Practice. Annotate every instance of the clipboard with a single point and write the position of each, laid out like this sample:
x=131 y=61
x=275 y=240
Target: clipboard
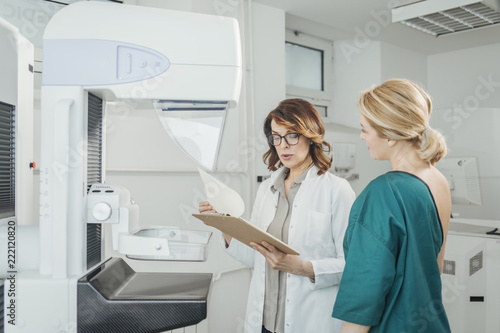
x=243 y=231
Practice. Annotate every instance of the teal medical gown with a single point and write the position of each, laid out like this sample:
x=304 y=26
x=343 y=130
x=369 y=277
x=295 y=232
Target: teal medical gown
x=391 y=280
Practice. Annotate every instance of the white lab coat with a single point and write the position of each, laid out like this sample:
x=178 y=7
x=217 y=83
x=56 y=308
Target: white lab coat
x=317 y=226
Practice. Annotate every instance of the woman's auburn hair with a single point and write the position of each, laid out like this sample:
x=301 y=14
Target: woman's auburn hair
x=299 y=116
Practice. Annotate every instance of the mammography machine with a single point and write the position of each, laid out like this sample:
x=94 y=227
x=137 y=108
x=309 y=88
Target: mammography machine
x=94 y=53
x=471 y=271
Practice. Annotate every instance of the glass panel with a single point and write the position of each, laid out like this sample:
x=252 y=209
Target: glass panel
x=196 y=127
x=304 y=67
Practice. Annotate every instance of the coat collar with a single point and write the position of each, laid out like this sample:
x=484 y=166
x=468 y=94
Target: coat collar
x=311 y=173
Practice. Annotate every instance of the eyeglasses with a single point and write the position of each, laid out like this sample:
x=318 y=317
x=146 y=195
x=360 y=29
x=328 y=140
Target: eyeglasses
x=290 y=138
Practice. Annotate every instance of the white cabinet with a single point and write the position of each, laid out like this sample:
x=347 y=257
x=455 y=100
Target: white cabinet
x=470 y=278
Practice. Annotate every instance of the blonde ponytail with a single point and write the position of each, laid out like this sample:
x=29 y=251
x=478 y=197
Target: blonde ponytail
x=432 y=146
x=398 y=109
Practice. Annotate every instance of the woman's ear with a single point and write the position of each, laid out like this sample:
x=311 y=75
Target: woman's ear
x=391 y=142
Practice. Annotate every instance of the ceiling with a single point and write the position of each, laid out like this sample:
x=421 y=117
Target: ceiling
x=330 y=19
x=352 y=17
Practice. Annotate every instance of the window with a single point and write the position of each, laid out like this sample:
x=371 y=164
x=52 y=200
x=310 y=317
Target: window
x=304 y=67
x=309 y=69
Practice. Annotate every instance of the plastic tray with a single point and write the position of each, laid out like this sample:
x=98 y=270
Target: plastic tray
x=184 y=245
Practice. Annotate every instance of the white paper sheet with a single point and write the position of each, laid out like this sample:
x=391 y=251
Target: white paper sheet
x=221 y=197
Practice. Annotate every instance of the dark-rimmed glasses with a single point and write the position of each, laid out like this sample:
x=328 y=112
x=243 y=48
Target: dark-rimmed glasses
x=290 y=138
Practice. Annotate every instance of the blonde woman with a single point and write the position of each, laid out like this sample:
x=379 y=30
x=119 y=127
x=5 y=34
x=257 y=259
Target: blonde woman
x=307 y=207
x=395 y=241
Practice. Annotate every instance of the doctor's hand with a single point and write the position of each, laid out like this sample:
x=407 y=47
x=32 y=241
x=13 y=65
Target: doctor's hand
x=206 y=207
x=284 y=262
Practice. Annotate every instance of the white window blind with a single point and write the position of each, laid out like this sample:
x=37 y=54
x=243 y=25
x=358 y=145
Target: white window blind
x=7 y=160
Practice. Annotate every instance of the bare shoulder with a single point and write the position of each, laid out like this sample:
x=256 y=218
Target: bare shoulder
x=440 y=191
x=438 y=180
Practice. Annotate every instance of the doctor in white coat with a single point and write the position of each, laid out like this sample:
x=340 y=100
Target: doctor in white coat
x=308 y=208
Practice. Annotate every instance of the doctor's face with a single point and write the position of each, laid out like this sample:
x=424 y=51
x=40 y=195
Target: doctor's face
x=377 y=146
x=293 y=156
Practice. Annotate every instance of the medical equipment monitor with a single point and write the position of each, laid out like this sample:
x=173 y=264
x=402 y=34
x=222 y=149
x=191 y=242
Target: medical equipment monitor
x=462 y=176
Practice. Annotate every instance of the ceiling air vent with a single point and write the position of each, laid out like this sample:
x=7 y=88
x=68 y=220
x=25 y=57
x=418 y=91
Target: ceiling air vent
x=442 y=17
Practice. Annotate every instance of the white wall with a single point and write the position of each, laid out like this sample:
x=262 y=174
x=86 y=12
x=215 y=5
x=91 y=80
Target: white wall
x=269 y=72
x=401 y=63
x=353 y=73
x=8 y=86
x=465 y=86
x=460 y=77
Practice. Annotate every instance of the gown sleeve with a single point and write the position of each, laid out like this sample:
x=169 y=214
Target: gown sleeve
x=370 y=246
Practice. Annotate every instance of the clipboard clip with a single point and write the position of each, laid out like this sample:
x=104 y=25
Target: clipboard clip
x=218 y=214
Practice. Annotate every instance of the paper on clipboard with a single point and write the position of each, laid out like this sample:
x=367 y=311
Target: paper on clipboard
x=230 y=206
x=243 y=231
x=221 y=197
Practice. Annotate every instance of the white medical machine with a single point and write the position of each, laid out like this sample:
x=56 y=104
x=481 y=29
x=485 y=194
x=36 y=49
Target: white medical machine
x=463 y=179
x=185 y=65
x=471 y=271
